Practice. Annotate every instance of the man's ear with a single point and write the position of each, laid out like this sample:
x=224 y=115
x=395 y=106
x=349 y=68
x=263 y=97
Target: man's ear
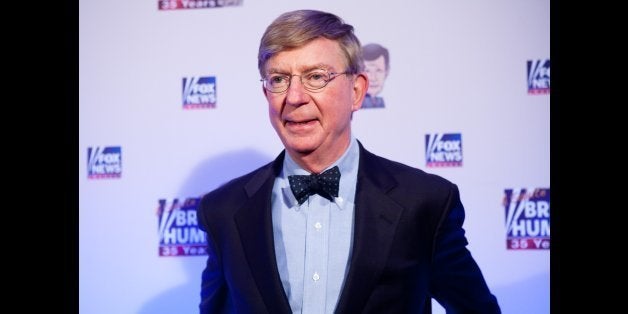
x=360 y=86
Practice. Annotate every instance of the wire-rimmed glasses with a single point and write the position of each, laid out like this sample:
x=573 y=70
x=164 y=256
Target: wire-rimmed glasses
x=312 y=80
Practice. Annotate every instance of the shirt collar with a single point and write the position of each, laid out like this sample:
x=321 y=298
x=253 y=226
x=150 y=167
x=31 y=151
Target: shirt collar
x=347 y=163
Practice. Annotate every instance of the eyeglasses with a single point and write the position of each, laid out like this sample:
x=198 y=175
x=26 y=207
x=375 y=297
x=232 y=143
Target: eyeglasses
x=313 y=80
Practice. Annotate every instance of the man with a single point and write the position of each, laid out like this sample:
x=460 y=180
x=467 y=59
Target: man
x=374 y=236
x=377 y=65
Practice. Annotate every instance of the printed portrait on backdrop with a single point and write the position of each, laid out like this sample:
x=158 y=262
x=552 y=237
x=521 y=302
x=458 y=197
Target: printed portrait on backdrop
x=377 y=65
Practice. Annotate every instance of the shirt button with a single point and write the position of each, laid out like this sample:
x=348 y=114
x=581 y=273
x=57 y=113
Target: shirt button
x=318 y=226
x=316 y=277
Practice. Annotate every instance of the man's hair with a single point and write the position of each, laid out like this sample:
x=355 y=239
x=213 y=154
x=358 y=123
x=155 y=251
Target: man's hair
x=373 y=51
x=297 y=28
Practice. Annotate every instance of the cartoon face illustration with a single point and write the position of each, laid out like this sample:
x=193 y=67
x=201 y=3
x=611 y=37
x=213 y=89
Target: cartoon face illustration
x=376 y=62
x=376 y=71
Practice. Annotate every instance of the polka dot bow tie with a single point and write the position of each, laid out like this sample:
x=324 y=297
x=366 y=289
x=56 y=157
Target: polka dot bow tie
x=324 y=184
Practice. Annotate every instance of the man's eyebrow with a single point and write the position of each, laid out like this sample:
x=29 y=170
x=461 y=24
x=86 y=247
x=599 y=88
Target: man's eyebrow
x=274 y=70
x=303 y=69
x=318 y=66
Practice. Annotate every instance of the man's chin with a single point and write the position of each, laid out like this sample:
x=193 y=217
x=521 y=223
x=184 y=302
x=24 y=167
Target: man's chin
x=301 y=149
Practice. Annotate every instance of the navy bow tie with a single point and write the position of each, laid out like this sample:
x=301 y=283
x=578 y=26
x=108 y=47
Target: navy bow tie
x=324 y=184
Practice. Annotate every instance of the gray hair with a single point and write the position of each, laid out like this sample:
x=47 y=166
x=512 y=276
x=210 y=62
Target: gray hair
x=297 y=28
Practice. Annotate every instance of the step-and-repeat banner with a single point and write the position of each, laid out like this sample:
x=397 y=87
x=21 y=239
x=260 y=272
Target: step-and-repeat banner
x=171 y=107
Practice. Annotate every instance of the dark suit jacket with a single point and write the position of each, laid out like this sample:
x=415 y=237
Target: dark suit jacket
x=408 y=245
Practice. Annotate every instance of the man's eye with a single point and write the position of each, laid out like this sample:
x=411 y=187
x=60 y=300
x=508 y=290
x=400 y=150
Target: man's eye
x=316 y=76
x=278 y=79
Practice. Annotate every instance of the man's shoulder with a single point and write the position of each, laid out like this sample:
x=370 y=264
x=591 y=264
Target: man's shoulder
x=237 y=189
x=406 y=175
x=409 y=185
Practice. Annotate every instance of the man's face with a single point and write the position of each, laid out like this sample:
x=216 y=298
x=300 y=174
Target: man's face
x=376 y=70
x=314 y=122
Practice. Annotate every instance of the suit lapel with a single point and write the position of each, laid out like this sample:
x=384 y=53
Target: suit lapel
x=376 y=218
x=254 y=221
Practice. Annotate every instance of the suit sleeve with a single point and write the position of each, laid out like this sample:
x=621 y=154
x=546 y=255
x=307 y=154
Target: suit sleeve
x=214 y=293
x=457 y=282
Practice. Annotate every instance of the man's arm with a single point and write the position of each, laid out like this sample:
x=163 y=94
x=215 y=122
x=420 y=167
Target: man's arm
x=214 y=291
x=457 y=282
x=214 y=296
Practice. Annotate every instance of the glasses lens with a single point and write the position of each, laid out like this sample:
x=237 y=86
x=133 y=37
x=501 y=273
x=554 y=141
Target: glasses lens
x=277 y=82
x=315 y=79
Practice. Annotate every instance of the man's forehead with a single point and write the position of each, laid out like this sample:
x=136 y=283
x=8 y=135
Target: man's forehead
x=320 y=53
x=279 y=67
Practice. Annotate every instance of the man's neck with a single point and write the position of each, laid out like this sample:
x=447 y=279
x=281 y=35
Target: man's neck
x=317 y=161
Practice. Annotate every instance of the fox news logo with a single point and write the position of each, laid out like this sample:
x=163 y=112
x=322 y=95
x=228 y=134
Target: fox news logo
x=199 y=92
x=443 y=150
x=196 y=4
x=103 y=163
x=179 y=234
x=527 y=219
x=539 y=76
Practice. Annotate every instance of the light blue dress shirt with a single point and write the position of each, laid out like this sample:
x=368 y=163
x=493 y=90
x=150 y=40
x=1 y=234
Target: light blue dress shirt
x=313 y=240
